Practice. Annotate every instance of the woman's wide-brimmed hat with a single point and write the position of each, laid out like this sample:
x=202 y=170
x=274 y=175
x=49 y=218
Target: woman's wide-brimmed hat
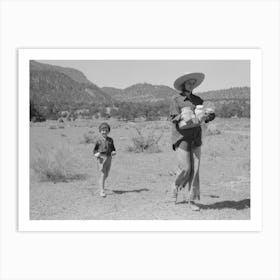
x=179 y=82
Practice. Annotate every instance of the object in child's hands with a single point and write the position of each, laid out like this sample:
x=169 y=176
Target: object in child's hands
x=97 y=155
x=113 y=153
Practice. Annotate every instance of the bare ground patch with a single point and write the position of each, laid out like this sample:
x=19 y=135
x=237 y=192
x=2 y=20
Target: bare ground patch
x=138 y=186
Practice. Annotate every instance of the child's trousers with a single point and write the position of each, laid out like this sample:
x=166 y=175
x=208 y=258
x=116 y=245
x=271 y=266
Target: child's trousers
x=104 y=164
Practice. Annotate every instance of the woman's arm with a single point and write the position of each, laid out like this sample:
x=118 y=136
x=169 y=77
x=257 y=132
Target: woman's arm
x=175 y=114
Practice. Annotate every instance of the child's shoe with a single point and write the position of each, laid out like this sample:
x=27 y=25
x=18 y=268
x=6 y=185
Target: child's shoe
x=102 y=194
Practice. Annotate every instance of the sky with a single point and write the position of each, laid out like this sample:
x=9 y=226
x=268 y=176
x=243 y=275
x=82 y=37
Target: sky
x=219 y=74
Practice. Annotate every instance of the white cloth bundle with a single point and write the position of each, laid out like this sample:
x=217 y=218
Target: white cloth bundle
x=190 y=118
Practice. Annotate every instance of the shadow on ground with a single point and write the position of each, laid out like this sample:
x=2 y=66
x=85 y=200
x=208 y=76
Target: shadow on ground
x=238 y=205
x=130 y=191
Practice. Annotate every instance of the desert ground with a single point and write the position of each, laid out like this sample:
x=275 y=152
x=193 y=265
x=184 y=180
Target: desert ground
x=64 y=182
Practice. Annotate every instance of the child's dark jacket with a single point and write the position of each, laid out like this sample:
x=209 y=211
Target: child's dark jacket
x=105 y=146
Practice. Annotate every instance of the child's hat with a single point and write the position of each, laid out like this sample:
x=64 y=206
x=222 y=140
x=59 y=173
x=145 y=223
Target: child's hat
x=179 y=82
x=104 y=125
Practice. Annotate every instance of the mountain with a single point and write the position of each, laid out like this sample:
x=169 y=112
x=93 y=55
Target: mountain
x=115 y=93
x=74 y=74
x=151 y=93
x=142 y=92
x=60 y=85
x=226 y=94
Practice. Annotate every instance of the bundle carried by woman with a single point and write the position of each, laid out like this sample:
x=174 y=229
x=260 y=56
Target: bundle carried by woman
x=192 y=118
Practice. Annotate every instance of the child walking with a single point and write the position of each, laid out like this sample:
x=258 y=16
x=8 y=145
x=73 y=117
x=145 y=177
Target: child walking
x=103 y=150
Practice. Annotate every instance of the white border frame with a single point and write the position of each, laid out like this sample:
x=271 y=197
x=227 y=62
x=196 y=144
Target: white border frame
x=254 y=55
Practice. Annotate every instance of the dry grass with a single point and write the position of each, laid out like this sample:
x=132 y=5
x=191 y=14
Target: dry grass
x=145 y=143
x=88 y=138
x=56 y=164
x=212 y=129
x=52 y=126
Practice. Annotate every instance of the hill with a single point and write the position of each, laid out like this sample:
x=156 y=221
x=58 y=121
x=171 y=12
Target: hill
x=115 y=93
x=142 y=92
x=74 y=74
x=59 y=85
x=226 y=94
x=153 y=93
x=49 y=83
x=54 y=89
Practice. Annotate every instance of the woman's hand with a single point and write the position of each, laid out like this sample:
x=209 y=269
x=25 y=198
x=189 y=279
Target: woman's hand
x=113 y=153
x=176 y=119
x=97 y=155
x=210 y=117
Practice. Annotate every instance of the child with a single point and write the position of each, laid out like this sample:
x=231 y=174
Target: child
x=103 y=150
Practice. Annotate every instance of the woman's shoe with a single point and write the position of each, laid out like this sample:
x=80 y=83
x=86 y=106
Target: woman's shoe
x=102 y=194
x=193 y=206
x=174 y=192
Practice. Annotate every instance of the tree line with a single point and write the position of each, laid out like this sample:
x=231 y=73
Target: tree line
x=129 y=111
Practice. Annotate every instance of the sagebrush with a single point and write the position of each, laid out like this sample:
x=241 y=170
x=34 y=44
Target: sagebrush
x=88 y=138
x=142 y=143
x=56 y=164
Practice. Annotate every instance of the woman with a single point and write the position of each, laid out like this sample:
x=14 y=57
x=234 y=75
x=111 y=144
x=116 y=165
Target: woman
x=187 y=141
